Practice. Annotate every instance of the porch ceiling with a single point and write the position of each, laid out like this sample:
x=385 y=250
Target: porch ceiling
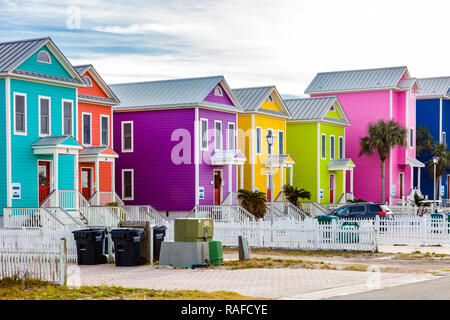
x=226 y=157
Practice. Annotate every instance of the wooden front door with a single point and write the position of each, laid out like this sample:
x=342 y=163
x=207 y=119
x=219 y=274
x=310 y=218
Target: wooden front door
x=44 y=180
x=402 y=185
x=217 y=187
x=86 y=183
x=269 y=188
x=332 y=188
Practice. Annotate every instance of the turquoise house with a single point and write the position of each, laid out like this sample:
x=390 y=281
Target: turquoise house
x=38 y=103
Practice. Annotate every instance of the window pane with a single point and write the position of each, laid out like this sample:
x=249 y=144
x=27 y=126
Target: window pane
x=128 y=184
x=20 y=122
x=204 y=134
x=218 y=135
x=269 y=148
x=231 y=136
x=324 y=147
x=127 y=136
x=281 y=142
x=86 y=129
x=341 y=148
x=68 y=118
x=105 y=131
x=332 y=148
x=20 y=113
x=258 y=140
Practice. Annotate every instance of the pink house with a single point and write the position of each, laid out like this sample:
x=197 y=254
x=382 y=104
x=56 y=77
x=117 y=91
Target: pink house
x=367 y=96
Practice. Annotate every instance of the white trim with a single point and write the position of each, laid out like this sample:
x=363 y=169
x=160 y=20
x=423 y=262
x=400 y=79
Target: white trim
x=218 y=92
x=25 y=113
x=101 y=130
x=201 y=134
x=8 y=141
x=89 y=83
x=234 y=136
x=197 y=157
x=215 y=136
x=341 y=155
x=82 y=129
x=221 y=186
x=334 y=187
x=50 y=180
x=72 y=120
x=282 y=151
x=256 y=141
x=268 y=147
x=48 y=55
x=252 y=155
x=444 y=135
x=49 y=116
x=333 y=155
x=390 y=151
x=319 y=153
x=411 y=141
x=91 y=182
x=123 y=137
x=440 y=120
x=320 y=145
x=132 y=184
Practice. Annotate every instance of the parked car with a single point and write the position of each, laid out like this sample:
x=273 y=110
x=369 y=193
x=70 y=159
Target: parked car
x=362 y=210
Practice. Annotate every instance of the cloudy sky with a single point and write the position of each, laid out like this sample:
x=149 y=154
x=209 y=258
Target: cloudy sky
x=251 y=42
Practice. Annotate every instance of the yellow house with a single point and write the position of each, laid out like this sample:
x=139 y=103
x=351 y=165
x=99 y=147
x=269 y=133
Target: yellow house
x=264 y=114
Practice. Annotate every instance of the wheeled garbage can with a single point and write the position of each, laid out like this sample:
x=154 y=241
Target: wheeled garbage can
x=127 y=246
x=159 y=232
x=90 y=246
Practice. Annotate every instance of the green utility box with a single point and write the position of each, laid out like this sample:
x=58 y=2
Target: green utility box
x=215 y=252
x=194 y=230
x=349 y=237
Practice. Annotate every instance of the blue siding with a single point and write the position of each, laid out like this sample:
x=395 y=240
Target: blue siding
x=55 y=68
x=2 y=146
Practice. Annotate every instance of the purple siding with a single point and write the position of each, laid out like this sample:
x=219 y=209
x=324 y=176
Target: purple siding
x=157 y=180
x=225 y=99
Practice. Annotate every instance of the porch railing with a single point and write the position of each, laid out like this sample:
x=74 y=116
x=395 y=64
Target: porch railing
x=145 y=213
x=223 y=212
x=31 y=218
x=104 y=197
x=313 y=208
x=61 y=198
x=101 y=217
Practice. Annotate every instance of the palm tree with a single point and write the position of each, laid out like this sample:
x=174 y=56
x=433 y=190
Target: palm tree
x=441 y=152
x=293 y=194
x=383 y=137
x=253 y=202
x=424 y=140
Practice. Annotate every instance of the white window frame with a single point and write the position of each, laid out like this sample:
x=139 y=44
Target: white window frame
x=49 y=116
x=215 y=136
x=202 y=120
x=279 y=140
x=444 y=138
x=321 y=144
x=269 y=99
x=411 y=135
x=260 y=140
x=25 y=111
x=89 y=82
x=234 y=135
x=218 y=91
x=82 y=128
x=332 y=108
x=48 y=55
x=341 y=152
x=101 y=130
x=332 y=145
x=72 y=119
x=132 y=184
x=268 y=147
x=123 y=137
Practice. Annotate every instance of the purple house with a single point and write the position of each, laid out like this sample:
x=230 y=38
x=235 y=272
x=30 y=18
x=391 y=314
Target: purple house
x=176 y=141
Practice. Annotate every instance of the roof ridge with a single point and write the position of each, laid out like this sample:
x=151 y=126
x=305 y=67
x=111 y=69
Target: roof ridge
x=167 y=80
x=439 y=77
x=307 y=98
x=259 y=87
x=26 y=40
x=369 y=69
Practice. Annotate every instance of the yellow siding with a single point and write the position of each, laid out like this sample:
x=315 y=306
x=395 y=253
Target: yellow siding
x=272 y=105
x=244 y=138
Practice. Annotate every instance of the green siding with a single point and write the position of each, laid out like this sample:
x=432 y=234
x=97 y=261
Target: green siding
x=2 y=146
x=301 y=144
x=55 y=68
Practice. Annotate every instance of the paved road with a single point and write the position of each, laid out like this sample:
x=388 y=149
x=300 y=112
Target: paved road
x=438 y=289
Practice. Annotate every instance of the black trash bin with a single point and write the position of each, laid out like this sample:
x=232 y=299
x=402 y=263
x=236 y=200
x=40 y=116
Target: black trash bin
x=90 y=246
x=159 y=232
x=127 y=246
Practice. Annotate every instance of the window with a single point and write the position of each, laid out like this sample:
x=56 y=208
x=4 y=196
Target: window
x=20 y=114
x=218 y=91
x=332 y=108
x=127 y=136
x=280 y=142
x=44 y=57
x=357 y=209
x=270 y=99
x=87 y=128
x=411 y=137
x=44 y=116
x=323 y=146
x=67 y=120
x=204 y=134
x=269 y=147
x=341 y=147
x=128 y=184
x=218 y=135
x=231 y=136
x=258 y=140
x=444 y=138
x=332 y=147
x=104 y=128
x=88 y=81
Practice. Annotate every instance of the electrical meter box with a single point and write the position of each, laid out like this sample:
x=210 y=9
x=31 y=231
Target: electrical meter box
x=194 y=229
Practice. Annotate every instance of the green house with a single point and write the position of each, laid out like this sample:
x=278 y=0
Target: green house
x=316 y=139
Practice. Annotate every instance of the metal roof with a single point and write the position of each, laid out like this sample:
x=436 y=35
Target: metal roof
x=252 y=98
x=45 y=76
x=52 y=141
x=356 y=80
x=88 y=151
x=14 y=52
x=437 y=87
x=313 y=109
x=96 y=98
x=82 y=69
x=169 y=93
x=340 y=164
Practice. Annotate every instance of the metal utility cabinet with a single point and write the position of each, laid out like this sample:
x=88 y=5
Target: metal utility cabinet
x=194 y=230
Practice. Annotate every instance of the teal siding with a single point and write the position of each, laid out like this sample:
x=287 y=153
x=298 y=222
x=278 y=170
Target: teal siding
x=65 y=173
x=55 y=68
x=24 y=162
x=2 y=146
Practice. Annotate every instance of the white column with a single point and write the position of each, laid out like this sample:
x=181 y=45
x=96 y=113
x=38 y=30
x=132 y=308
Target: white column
x=113 y=180
x=344 y=182
x=291 y=173
x=351 y=181
x=242 y=177
x=418 y=178
x=75 y=174
x=55 y=177
x=230 y=178
x=412 y=178
x=97 y=180
x=271 y=181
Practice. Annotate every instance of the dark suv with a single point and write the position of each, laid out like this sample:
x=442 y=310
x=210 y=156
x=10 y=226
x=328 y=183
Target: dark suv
x=360 y=210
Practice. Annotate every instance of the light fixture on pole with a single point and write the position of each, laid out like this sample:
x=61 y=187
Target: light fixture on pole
x=435 y=162
x=271 y=141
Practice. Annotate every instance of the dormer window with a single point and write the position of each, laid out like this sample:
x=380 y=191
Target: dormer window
x=88 y=81
x=218 y=91
x=270 y=99
x=44 y=57
x=332 y=108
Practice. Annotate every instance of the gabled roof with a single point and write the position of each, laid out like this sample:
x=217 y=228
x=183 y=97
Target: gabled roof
x=13 y=53
x=171 y=94
x=98 y=151
x=251 y=99
x=437 y=87
x=315 y=109
x=113 y=100
x=357 y=80
x=407 y=84
x=55 y=141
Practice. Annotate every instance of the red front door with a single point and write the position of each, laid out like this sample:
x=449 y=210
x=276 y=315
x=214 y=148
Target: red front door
x=44 y=180
x=86 y=183
x=331 y=188
x=217 y=187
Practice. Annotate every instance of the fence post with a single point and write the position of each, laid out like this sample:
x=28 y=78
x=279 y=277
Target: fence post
x=151 y=244
x=63 y=262
x=316 y=233
x=110 y=248
x=260 y=233
x=423 y=229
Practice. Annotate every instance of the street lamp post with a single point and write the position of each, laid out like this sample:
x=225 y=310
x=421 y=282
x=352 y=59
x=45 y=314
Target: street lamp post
x=271 y=141
x=435 y=161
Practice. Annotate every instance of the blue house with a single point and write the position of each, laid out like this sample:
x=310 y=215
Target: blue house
x=433 y=112
x=38 y=103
